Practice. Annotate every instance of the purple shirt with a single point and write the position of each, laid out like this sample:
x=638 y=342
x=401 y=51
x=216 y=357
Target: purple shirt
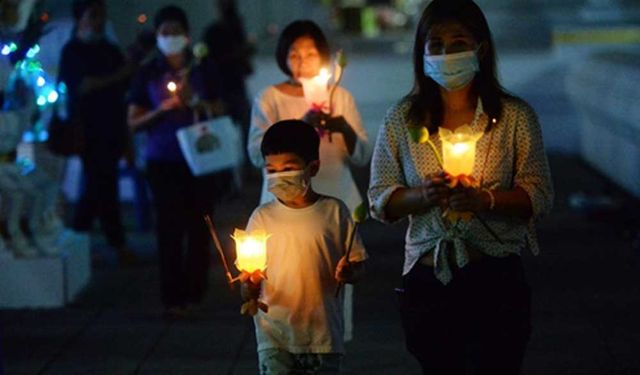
x=149 y=89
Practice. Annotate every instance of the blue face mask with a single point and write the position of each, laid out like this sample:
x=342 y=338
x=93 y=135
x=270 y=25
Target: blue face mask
x=452 y=71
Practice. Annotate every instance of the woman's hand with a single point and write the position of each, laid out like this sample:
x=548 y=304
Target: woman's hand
x=317 y=119
x=435 y=190
x=171 y=103
x=468 y=199
x=340 y=125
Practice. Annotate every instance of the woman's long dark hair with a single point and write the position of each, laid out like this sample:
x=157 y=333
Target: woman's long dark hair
x=426 y=108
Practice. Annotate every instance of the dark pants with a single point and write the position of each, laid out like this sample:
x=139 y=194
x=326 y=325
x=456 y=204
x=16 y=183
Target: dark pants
x=99 y=196
x=180 y=202
x=478 y=324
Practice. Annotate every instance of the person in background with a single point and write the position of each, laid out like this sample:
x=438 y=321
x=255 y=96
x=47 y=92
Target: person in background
x=180 y=199
x=231 y=53
x=465 y=301
x=301 y=52
x=302 y=331
x=230 y=50
x=96 y=75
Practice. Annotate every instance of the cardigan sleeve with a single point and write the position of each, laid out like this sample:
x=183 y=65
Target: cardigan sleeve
x=531 y=165
x=387 y=174
x=262 y=117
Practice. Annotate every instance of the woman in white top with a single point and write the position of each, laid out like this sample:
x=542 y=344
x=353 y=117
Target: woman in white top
x=465 y=302
x=301 y=52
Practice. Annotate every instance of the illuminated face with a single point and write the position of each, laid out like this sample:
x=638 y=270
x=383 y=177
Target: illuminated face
x=449 y=37
x=304 y=60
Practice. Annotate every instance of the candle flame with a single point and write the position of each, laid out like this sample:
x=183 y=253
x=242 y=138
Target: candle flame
x=171 y=86
x=323 y=77
x=459 y=150
x=251 y=250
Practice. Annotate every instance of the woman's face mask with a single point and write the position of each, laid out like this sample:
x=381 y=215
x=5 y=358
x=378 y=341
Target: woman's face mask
x=172 y=44
x=452 y=71
x=288 y=186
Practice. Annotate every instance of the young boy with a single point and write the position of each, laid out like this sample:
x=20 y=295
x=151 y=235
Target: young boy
x=302 y=332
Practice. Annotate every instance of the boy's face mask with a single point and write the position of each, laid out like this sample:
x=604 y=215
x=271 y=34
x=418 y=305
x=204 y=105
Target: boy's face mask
x=452 y=71
x=289 y=185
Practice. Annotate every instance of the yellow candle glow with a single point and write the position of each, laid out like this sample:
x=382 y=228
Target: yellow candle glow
x=323 y=77
x=172 y=87
x=316 y=91
x=251 y=250
x=459 y=150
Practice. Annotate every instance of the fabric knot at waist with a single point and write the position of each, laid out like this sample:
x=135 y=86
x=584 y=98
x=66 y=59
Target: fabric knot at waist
x=445 y=242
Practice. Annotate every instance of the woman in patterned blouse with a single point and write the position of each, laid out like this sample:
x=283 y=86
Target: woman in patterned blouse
x=465 y=302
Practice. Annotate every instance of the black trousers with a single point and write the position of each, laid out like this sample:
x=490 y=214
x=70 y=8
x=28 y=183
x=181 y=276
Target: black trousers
x=181 y=201
x=478 y=324
x=99 y=196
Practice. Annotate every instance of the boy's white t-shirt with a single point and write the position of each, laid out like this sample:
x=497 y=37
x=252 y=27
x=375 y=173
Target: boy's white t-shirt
x=302 y=254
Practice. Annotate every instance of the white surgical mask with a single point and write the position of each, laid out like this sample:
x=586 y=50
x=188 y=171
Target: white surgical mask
x=289 y=185
x=452 y=71
x=172 y=44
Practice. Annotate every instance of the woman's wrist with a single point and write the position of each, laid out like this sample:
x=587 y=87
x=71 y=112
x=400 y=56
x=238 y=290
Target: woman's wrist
x=425 y=202
x=488 y=200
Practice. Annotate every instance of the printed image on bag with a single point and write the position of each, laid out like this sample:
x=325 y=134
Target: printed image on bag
x=211 y=146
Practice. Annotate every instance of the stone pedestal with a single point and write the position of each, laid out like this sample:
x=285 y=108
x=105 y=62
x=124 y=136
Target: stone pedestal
x=46 y=282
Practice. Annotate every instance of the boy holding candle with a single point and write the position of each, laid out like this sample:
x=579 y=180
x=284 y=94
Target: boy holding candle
x=303 y=328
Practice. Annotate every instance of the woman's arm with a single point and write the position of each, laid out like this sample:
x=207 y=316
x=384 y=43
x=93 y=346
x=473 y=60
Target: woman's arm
x=140 y=118
x=514 y=203
x=356 y=137
x=389 y=194
x=261 y=119
x=92 y=84
x=418 y=200
x=532 y=193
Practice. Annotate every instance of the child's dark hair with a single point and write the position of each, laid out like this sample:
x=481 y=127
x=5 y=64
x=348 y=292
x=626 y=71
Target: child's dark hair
x=295 y=136
x=171 y=13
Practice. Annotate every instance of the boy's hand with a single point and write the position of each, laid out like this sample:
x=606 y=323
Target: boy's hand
x=250 y=291
x=348 y=272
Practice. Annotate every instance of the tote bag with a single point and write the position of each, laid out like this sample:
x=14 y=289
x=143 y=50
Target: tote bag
x=211 y=146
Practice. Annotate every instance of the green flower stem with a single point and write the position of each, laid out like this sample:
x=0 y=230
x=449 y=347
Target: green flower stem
x=333 y=90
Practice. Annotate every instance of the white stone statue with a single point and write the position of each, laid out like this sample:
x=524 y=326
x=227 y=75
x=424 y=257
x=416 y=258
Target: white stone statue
x=27 y=192
x=29 y=184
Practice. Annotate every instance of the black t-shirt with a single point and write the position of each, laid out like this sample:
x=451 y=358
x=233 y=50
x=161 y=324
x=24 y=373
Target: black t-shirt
x=103 y=112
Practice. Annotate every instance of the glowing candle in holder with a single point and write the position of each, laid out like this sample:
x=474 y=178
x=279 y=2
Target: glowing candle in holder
x=251 y=260
x=251 y=250
x=316 y=91
x=459 y=150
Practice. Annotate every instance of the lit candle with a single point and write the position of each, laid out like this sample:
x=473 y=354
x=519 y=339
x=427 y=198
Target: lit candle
x=459 y=150
x=316 y=91
x=172 y=87
x=251 y=250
